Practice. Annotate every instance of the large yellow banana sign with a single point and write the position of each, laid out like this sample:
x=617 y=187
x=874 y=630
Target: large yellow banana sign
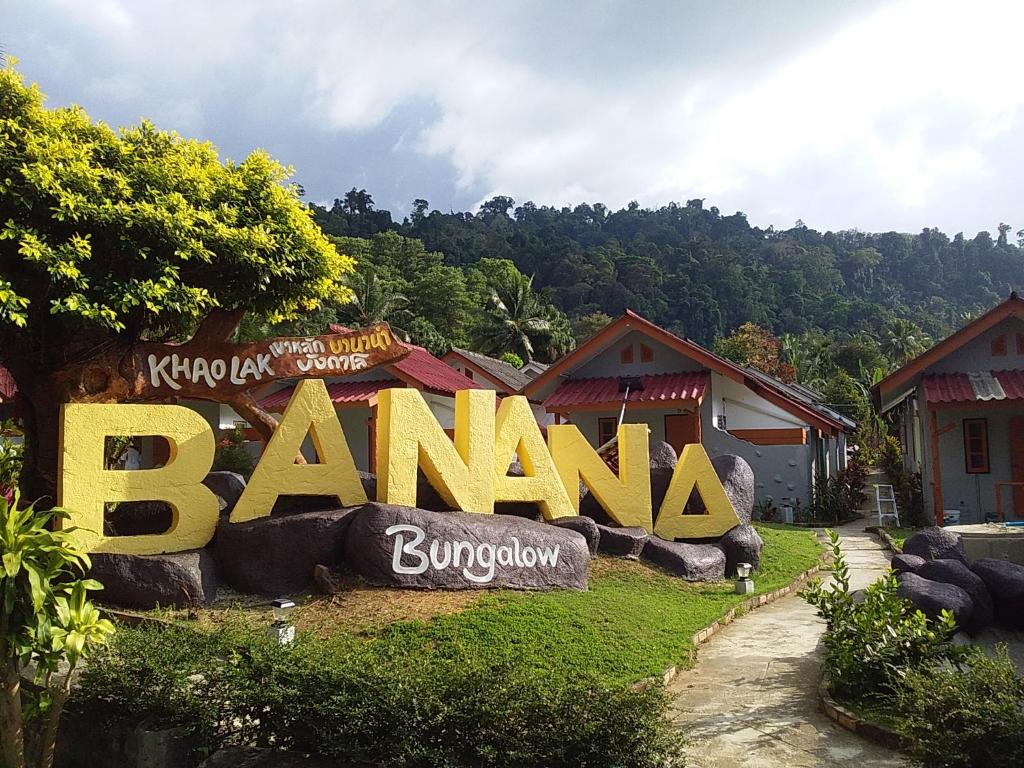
x=470 y=473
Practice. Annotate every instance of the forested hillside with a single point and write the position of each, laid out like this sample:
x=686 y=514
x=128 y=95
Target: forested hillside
x=702 y=274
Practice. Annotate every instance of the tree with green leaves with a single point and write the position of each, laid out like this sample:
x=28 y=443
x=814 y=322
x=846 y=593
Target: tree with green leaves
x=109 y=238
x=516 y=320
x=47 y=625
x=903 y=340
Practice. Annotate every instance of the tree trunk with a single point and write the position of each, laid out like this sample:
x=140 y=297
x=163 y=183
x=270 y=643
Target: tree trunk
x=41 y=412
x=12 y=734
x=48 y=736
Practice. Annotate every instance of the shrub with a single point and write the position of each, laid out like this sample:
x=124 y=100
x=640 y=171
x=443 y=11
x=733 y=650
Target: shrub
x=837 y=498
x=231 y=455
x=346 y=700
x=870 y=644
x=512 y=359
x=906 y=484
x=971 y=714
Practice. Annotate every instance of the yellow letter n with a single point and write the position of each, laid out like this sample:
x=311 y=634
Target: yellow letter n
x=626 y=498
x=409 y=437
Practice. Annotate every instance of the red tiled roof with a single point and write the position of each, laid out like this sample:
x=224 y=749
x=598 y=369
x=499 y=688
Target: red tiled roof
x=7 y=386
x=340 y=392
x=656 y=388
x=433 y=374
x=980 y=386
x=421 y=367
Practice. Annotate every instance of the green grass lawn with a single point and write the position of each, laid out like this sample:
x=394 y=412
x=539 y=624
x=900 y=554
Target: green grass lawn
x=633 y=622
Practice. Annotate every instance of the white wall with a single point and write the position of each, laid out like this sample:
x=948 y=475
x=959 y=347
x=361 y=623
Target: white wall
x=744 y=409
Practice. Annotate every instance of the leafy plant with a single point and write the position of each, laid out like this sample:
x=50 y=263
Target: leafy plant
x=231 y=455
x=871 y=643
x=358 y=705
x=47 y=622
x=906 y=484
x=970 y=714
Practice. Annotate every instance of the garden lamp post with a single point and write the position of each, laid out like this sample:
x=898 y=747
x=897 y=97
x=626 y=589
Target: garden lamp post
x=744 y=584
x=282 y=629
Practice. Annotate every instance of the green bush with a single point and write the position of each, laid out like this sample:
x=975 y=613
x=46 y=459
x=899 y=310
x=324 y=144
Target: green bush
x=349 y=701
x=970 y=714
x=872 y=643
x=231 y=455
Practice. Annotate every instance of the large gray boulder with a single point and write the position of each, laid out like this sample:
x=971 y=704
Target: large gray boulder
x=935 y=543
x=693 y=562
x=583 y=526
x=407 y=547
x=663 y=462
x=276 y=555
x=1005 y=582
x=906 y=563
x=227 y=487
x=622 y=542
x=738 y=480
x=741 y=544
x=932 y=597
x=955 y=572
x=180 y=580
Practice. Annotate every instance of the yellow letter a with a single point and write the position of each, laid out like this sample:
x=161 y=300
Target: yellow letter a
x=626 y=498
x=408 y=436
x=86 y=486
x=517 y=434
x=695 y=469
x=310 y=411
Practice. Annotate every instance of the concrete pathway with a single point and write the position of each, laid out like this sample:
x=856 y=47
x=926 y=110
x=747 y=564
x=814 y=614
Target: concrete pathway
x=751 y=700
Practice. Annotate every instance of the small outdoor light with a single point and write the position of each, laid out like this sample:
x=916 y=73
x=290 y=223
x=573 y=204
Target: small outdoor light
x=282 y=629
x=744 y=584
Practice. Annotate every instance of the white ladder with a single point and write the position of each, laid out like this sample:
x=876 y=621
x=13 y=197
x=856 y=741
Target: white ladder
x=886 y=500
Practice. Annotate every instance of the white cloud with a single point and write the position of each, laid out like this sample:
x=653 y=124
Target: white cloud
x=900 y=117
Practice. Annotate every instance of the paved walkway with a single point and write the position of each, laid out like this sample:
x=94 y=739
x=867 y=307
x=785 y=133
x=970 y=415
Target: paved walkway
x=751 y=700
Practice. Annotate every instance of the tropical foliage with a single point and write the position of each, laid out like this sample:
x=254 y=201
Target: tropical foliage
x=47 y=624
x=108 y=237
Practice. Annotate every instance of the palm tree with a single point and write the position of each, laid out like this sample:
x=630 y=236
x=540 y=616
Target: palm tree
x=515 y=321
x=373 y=302
x=902 y=340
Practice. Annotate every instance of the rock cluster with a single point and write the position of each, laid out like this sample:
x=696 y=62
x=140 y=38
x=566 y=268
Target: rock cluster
x=934 y=574
x=438 y=549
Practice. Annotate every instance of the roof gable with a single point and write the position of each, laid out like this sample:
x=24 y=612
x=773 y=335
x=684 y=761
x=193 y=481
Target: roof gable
x=630 y=321
x=498 y=372
x=1012 y=307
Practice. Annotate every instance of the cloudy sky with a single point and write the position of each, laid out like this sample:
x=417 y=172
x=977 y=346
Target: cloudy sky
x=872 y=114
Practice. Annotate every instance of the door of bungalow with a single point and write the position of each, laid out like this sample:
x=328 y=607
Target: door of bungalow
x=1017 y=463
x=682 y=429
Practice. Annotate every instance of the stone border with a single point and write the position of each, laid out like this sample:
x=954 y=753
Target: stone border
x=748 y=605
x=885 y=538
x=849 y=720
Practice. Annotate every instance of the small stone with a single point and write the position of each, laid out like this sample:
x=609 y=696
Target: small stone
x=1005 y=582
x=906 y=563
x=179 y=580
x=584 y=526
x=276 y=555
x=693 y=562
x=935 y=543
x=932 y=597
x=622 y=542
